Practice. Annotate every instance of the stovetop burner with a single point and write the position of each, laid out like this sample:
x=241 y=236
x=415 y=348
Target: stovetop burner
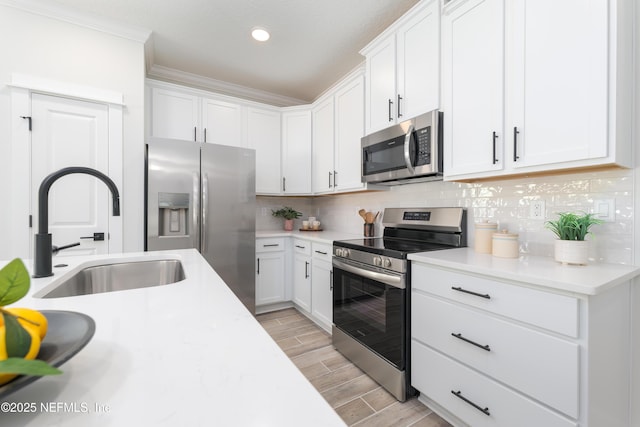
x=397 y=248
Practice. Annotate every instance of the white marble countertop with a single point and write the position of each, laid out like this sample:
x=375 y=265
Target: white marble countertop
x=315 y=236
x=184 y=354
x=538 y=271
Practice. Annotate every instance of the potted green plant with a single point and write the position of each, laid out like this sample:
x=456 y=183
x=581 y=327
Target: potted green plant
x=571 y=230
x=289 y=214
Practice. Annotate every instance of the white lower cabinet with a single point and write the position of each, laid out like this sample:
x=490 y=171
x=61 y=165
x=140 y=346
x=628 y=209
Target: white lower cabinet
x=322 y=285
x=490 y=352
x=270 y=271
x=302 y=274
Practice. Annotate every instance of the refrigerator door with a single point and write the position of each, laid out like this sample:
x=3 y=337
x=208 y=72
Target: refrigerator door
x=228 y=216
x=173 y=194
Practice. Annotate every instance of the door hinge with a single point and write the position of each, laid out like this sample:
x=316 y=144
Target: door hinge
x=28 y=118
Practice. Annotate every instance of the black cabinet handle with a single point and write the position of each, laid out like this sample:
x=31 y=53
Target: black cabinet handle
x=460 y=337
x=390 y=104
x=459 y=289
x=459 y=395
x=306 y=269
x=335 y=178
x=329 y=179
x=320 y=252
x=195 y=133
x=495 y=137
x=258 y=270
x=300 y=247
x=331 y=280
x=515 y=144
x=271 y=245
x=284 y=184
x=399 y=99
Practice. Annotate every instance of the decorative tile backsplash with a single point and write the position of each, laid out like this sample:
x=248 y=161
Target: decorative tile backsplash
x=506 y=202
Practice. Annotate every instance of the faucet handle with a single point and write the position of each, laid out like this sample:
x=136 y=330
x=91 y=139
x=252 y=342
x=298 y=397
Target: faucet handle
x=56 y=249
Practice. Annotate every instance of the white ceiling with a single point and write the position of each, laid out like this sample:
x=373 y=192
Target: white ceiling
x=313 y=42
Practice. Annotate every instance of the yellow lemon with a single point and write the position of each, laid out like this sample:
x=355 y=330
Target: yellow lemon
x=33 y=350
x=29 y=318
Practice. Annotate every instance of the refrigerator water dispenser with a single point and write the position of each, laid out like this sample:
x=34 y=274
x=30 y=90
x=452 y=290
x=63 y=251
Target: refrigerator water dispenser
x=173 y=213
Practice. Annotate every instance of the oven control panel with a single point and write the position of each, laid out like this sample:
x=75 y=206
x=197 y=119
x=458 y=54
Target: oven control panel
x=370 y=259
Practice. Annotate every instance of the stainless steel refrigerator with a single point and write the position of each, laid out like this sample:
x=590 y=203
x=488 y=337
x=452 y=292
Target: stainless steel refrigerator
x=202 y=196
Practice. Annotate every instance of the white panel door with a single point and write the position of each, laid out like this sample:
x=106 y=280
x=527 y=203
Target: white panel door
x=72 y=133
x=302 y=282
x=381 y=85
x=296 y=152
x=349 y=129
x=322 y=292
x=222 y=123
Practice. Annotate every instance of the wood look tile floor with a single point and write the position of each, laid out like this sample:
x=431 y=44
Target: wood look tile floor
x=358 y=399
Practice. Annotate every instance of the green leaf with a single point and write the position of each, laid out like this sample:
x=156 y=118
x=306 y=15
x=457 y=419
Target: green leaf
x=17 y=365
x=14 y=282
x=17 y=339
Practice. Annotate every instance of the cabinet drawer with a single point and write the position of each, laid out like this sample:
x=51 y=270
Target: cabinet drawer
x=302 y=247
x=438 y=377
x=539 y=365
x=275 y=244
x=554 y=312
x=321 y=251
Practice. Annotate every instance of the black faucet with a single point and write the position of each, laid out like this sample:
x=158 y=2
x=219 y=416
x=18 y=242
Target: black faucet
x=43 y=249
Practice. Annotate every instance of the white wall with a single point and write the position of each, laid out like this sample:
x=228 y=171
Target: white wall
x=47 y=48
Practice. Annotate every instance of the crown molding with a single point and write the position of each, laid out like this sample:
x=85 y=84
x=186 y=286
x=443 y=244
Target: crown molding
x=82 y=19
x=172 y=75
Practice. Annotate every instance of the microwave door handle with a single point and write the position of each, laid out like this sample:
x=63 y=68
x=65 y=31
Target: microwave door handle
x=407 y=157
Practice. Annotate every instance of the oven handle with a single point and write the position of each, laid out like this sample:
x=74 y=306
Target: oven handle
x=387 y=279
x=407 y=156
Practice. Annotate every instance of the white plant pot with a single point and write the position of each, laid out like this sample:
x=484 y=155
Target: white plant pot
x=572 y=251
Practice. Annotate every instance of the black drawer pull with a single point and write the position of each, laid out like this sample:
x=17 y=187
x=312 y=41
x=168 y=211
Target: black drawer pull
x=459 y=395
x=271 y=245
x=459 y=289
x=460 y=337
x=300 y=247
x=320 y=252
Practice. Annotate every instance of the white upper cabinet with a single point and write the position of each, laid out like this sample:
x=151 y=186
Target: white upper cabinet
x=403 y=68
x=263 y=135
x=296 y=151
x=472 y=80
x=338 y=126
x=174 y=114
x=323 y=139
x=222 y=122
x=184 y=115
x=550 y=78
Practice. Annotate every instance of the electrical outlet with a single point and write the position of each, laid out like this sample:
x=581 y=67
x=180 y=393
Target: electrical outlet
x=536 y=209
x=605 y=209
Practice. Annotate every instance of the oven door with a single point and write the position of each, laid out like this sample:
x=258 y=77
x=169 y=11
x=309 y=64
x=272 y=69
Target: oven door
x=369 y=304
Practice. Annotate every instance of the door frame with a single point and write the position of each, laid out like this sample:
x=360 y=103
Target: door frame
x=22 y=86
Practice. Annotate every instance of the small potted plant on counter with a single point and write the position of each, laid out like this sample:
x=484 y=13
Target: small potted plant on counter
x=571 y=229
x=289 y=214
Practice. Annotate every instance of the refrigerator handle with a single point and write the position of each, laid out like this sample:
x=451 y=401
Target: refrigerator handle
x=205 y=201
x=195 y=214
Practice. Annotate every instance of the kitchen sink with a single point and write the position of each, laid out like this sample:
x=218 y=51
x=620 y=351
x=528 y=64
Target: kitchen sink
x=117 y=276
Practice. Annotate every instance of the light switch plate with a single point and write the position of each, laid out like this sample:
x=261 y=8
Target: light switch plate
x=605 y=209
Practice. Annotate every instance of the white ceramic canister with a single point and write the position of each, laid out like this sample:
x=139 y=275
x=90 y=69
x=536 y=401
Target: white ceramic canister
x=483 y=236
x=505 y=245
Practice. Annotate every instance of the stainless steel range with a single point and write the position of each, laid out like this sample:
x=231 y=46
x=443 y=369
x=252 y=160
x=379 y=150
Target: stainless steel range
x=371 y=280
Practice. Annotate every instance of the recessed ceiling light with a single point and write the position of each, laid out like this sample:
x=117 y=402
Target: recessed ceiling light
x=260 y=34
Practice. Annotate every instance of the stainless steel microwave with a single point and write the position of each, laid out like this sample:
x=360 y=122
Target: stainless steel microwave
x=410 y=151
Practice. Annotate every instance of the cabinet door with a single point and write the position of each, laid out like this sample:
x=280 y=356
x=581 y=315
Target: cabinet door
x=322 y=293
x=302 y=282
x=221 y=123
x=381 y=85
x=472 y=78
x=296 y=147
x=270 y=278
x=263 y=135
x=418 y=64
x=174 y=114
x=559 y=68
x=323 y=140
x=349 y=129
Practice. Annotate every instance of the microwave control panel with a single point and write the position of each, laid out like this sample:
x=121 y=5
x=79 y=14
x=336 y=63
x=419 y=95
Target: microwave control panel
x=423 y=146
